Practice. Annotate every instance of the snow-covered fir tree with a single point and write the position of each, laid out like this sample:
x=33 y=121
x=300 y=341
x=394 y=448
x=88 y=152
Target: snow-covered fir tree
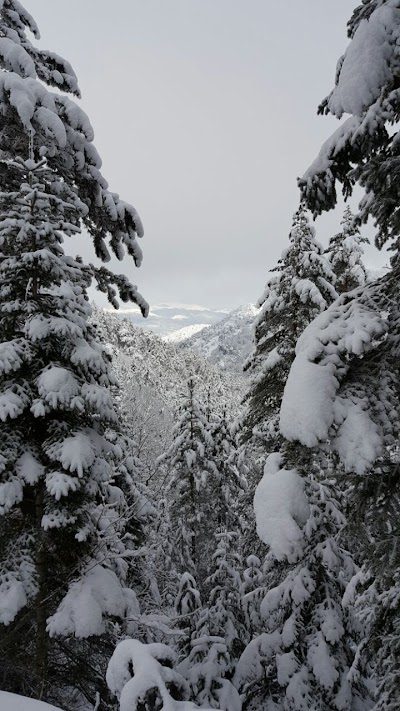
x=188 y=469
x=364 y=147
x=219 y=634
x=63 y=547
x=252 y=592
x=349 y=351
x=360 y=339
x=64 y=135
x=305 y=658
x=62 y=555
x=228 y=484
x=345 y=254
x=300 y=287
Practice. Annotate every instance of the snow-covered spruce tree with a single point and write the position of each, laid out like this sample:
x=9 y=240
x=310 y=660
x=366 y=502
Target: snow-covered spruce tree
x=189 y=469
x=61 y=552
x=252 y=593
x=64 y=135
x=219 y=634
x=305 y=658
x=365 y=149
x=345 y=255
x=228 y=483
x=301 y=287
x=345 y=383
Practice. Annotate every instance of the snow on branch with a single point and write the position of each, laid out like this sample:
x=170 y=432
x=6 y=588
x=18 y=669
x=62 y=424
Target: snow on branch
x=281 y=509
x=312 y=402
x=153 y=677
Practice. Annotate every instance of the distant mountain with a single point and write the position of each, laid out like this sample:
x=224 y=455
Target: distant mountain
x=227 y=343
x=168 y=318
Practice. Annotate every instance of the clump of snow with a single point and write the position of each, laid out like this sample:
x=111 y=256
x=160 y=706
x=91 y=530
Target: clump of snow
x=11 y=493
x=252 y=663
x=365 y=67
x=343 y=135
x=281 y=509
x=16 y=58
x=308 y=421
x=76 y=453
x=28 y=468
x=13 y=401
x=57 y=387
x=12 y=598
x=358 y=441
x=322 y=662
x=59 y=484
x=12 y=354
x=137 y=668
x=13 y=702
x=82 y=611
x=312 y=403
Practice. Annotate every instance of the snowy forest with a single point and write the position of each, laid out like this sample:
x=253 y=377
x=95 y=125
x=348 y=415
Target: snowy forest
x=212 y=522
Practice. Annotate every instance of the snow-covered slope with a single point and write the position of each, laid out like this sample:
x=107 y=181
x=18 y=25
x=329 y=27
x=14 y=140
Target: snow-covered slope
x=12 y=702
x=225 y=344
x=168 y=318
x=182 y=334
x=164 y=367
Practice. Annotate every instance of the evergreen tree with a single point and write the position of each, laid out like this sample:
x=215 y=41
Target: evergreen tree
x=63 y=134
x=351 y=352
x=345 y=255
x=302 y=287
x=228 y=484
x=189 y=468
x=188 y=606
x=219 y=634
x=364 y=149
x=62 y=551
x=252 y=593
x=63 y=548
x=363 y=336
x=304 y=660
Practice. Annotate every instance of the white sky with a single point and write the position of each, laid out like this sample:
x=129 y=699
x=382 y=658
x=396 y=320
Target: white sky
x=205 y=113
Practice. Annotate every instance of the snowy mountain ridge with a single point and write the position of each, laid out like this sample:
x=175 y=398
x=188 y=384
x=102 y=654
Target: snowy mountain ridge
x=166 y=318
x=225 y=344
x=182 y=334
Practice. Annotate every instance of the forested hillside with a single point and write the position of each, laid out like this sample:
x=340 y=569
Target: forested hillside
x=154 y=374
x=225 y=344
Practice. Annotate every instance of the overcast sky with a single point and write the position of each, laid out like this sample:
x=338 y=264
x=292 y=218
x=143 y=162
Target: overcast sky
x=204 y=114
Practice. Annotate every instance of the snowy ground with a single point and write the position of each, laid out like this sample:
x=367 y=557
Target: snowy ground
x=12 y=702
